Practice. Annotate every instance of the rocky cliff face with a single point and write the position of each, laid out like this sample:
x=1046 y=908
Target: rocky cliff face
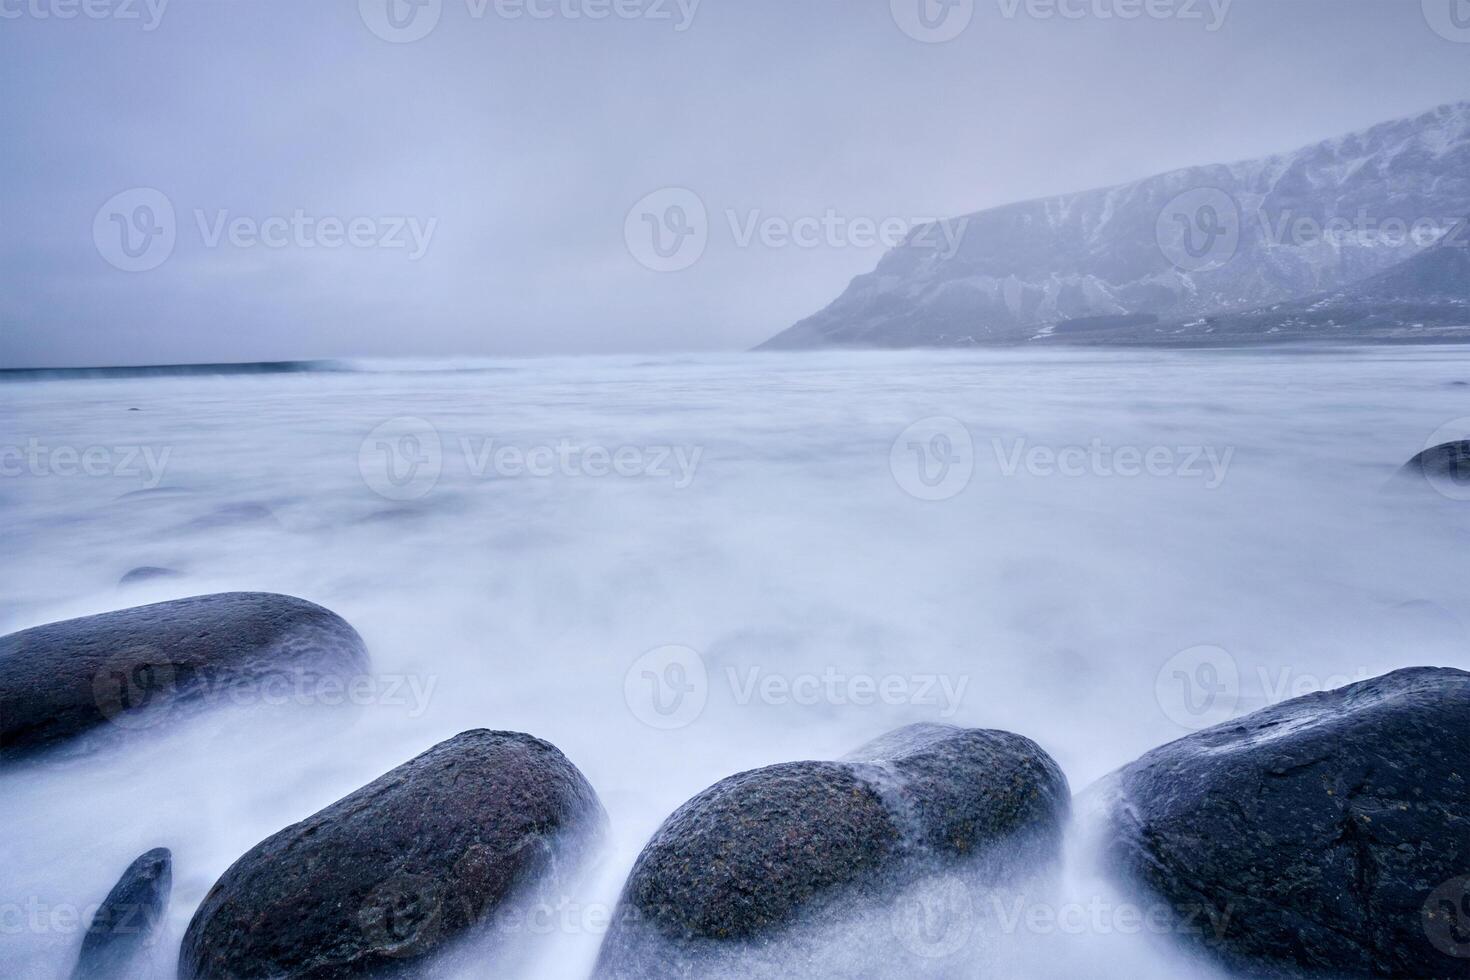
x=1178 y=246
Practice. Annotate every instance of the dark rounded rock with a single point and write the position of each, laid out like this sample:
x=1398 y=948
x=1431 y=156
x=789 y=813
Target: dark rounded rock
x=764 y=850
x=132 y=666
x=146 y=573
x=127 y=919
x=1445 y=467
x=1324 y=836
x=393 y=874
x=747 y=853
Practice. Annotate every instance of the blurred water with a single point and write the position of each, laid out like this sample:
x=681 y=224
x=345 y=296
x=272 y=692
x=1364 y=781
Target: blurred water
x=790 y=551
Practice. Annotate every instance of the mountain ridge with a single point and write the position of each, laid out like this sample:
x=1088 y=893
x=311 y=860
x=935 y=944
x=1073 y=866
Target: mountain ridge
x=1297 y=223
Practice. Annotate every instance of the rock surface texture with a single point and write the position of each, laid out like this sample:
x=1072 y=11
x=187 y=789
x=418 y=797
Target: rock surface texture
x=129 y=667
x=1330 y=834
x=395 y=873
x=765 y=850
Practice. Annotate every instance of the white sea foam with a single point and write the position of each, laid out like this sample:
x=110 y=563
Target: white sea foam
x=796 y=552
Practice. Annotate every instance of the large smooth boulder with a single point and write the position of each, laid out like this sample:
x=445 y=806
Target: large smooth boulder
x=127 y=919
x=1324 y=836
x=131 y=666
x=775 y=848
x=396 y=872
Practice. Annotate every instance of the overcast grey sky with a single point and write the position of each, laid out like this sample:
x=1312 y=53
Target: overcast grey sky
x=469 y=191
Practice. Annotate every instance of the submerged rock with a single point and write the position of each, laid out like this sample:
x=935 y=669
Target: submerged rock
x=128 y=667
x=398 y=870
x=146 y=573
x=1324 y=836
x=1445 y=467
x=127 y=918
x=770 y=849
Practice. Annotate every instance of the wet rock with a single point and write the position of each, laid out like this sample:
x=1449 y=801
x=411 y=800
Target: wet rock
x=134 y=667
x=393 y=874
x=1445 y=467
x=1324 y=836
x=127 y=919
x=146 y=573
x=774 y=848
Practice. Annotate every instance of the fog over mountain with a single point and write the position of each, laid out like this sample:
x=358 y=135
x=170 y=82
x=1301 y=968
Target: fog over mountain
x=496 y=159
x=1173 y=248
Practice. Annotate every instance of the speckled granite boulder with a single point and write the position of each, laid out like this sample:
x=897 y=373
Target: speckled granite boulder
x=395 y=873
x=764 y=850
x=132 y=666
x=1326 y=836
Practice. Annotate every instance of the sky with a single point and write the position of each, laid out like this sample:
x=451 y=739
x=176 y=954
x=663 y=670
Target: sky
x=239 y=180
